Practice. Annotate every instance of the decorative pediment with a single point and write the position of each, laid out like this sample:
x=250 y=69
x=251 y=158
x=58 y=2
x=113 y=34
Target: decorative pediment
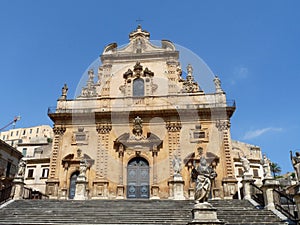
x=138 y=82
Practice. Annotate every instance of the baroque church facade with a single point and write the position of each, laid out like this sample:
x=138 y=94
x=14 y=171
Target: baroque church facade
x=138 y=123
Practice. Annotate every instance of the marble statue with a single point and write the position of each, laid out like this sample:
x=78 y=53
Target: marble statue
x=204 y=174
x=64 y=92
x=218 y=85
x=83 y=167
x=176 y=165
x=296 y=164
x=266 y=166
x=245 y=163
x=21 y=169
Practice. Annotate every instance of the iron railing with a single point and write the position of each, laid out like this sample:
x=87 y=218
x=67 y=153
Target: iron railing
x=257 y=194
x=5 y=194
x=286 y=205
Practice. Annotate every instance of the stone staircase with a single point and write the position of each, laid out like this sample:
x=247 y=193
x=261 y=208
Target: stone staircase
x=235 y=212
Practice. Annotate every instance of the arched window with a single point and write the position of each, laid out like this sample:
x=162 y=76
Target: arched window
x=138 y=87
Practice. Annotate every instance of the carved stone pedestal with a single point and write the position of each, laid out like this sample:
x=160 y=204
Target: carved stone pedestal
x=52 y=188
x=269 y=184
x=247 y=180
x=120 y=192
x=230 y=187
x=100 y=189
x=18 y=188
x=63 y=194
x=191 y=193
x=297 y=197
x=204 y=213
x=176 y=188
x=155 y=192
x=81 y=192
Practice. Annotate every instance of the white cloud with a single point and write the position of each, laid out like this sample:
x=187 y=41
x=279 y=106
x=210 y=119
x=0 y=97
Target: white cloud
x=256 y=133
x=241 y=72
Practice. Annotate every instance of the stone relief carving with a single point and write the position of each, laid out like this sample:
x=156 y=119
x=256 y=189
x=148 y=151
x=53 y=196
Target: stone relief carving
x=80 y=137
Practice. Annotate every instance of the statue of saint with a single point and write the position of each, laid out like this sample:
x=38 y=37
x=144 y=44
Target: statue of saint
x=266 y=166
x=64 y=92
x=21 y=169
x=176 y=165
x=83 y=167
x=204 y=174
x=218 y=85
x=245 y=163
x=137 y=127
x=296 y=164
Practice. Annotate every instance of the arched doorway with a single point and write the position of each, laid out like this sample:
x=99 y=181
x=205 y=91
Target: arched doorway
x=138 y=178
x=72 y=189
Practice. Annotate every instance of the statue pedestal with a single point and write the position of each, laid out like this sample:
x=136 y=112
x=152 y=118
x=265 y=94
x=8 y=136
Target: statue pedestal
x=204 y=213
x=269 y=184
x=100 y=189
x=247 y=179
x=176 y=188
x=154 y=192
x=191 y=193
x=81 y=193
x=120 y=192
x=18 y=190
x=52 y=188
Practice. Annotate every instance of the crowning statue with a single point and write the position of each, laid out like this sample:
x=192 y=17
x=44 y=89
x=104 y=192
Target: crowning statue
x=64 y=92
x=266 y=166
x=296 y=164
x=203 y=174
x=21 y=169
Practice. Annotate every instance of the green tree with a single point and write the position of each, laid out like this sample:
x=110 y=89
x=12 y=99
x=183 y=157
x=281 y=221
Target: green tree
x=275 y=169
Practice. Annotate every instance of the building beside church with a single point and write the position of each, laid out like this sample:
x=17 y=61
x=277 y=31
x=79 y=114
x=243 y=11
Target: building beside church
x=138 y=123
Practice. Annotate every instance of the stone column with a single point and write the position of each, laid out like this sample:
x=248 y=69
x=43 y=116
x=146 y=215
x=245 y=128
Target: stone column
x=269 y=184
x=120 y=187
x=64 y=190
x=247 y=180
x=155 y=187
x=53 y=182
x=229 y=181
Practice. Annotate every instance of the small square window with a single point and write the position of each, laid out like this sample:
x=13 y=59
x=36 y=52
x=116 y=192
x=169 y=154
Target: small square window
x=30 y=173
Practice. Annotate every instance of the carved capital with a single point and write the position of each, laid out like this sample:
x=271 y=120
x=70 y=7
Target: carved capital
x=173 y=126
x=103 y=128
x=222 y=125
x=59 y=129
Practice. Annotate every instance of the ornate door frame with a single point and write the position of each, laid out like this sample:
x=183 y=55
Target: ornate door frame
x=138 y=178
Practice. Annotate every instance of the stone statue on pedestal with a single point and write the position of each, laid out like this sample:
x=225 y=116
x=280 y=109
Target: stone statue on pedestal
x=204 y=174
x=21 y=169
x=64 y=92
x=218 y=85
x=266 y=167
x=176 y=165
x=83 y=167
x=245 y=163
x=296 y=164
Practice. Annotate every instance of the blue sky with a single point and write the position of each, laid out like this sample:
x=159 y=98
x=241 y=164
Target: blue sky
x=253 y=46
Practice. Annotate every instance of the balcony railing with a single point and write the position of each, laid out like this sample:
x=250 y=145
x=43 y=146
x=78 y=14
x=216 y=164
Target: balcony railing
x=137 y=105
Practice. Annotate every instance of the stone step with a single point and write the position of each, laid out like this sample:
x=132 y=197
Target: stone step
x=234 y=212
